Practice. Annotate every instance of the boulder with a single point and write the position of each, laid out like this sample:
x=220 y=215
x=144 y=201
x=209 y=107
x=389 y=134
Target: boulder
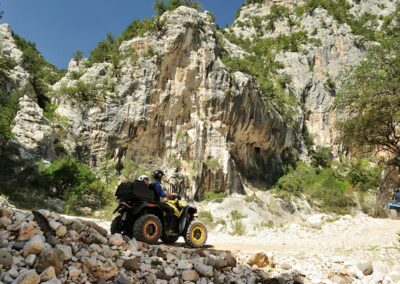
x=67 y=251
x=365 y=267
x=73 y=272
x=30 y=259
x=54 y=225
x=190 y=275
x=6 y=259
x=5 y=212
x=96 y=227
x=28 y=277
x=34 y=246
x=26 y=231
x=61 y=231
x=77 y=226
x=230 y=259
x=48 y=274
x=50 y=257
x=99 y=270
x=116 y=240
x=4 y=222
x=203 y=269
x=132 y=264
x=259 y=259
x=92 y=236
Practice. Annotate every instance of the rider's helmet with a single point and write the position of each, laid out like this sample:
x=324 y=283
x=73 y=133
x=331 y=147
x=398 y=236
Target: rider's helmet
x=143 y=178
x=397 y=189
x=158 y=174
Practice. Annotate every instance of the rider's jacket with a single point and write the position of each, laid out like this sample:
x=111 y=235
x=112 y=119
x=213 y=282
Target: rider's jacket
x=158 y=190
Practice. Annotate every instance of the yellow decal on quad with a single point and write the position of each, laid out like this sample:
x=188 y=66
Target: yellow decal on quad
x=173 y=204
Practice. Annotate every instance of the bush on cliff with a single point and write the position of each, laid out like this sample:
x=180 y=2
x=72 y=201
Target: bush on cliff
x=161 y=6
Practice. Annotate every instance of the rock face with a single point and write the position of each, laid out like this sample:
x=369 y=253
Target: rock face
x=180 y=108
x=33 y=132
x=171 y=103
x=315 y=69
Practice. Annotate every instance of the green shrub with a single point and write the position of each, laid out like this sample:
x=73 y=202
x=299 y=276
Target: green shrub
x=253 y=198
x=363 y=176
x=136 y=29
x=323 y=186
x=9 y=107
x=132 y=171
x=212 y=163
x=277 y=12
x=75 y=75
x=73 y=182
x=81 y=91
x=264 y=225
x=238 y=229
x=105 y=51
x=366 y=25
x=206 y=217
x=6 y=65
x=214 y=196
x=236 y=215
x=77 y=55
x=161 y=6
x=262 y=66
x=321 y=157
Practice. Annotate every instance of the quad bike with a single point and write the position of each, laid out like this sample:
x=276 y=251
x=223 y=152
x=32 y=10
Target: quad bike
x=394 y=210
x=142 y=218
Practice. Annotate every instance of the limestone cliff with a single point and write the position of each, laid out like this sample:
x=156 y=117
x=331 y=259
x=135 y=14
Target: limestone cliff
x=176 y=105
x=332 y=47
x=167 y=100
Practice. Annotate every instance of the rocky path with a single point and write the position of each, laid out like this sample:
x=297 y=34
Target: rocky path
x=324 y=250
x=340 y=252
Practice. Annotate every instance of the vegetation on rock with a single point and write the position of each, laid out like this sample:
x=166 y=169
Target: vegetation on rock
x=332 y=187
x=370 y=102
x=161 y=6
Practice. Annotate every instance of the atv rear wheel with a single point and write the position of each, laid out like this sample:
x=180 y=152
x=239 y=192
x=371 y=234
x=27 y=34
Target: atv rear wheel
x=148 y=229
x=196 y=235
x=394 y=214
x=116 y=225
x=169 y=239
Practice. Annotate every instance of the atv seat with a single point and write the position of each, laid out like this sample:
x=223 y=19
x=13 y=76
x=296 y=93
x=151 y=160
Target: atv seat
x=132 y=191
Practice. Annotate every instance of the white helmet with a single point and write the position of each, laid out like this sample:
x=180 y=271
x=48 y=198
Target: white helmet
x=143 y=178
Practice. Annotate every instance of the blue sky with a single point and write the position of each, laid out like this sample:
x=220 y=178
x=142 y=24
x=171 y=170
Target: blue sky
x=59 y=27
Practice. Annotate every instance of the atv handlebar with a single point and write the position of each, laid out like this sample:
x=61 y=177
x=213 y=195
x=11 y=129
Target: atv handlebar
x=174 y=196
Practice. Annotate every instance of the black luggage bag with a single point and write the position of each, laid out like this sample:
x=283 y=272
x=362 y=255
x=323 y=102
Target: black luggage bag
x=137 y=190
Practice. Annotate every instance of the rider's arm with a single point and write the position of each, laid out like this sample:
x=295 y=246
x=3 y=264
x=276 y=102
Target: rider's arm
x=159 y=190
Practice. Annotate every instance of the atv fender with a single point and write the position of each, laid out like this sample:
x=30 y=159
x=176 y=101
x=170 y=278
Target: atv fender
x=150 y=207
x=184 y=219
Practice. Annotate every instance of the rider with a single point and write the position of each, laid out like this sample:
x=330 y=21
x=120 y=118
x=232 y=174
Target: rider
x=396 y=195
x=144 y=179
x=158 y=193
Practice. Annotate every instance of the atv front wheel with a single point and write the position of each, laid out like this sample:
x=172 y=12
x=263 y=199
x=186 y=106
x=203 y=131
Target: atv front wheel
x=116 y=225
x=169 y=239
x=196 y=235
x=147 y=229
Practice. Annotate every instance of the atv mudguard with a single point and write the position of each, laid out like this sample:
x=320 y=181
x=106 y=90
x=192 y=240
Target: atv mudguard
x=183 y=220
x=150 y=207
